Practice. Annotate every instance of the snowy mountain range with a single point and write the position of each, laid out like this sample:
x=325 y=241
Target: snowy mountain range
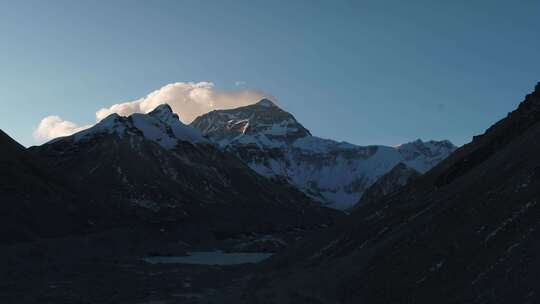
x=274 y=144
x=160 y=170
x=264 y=137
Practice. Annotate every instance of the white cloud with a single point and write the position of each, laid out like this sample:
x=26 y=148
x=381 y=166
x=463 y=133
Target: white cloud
x=188 y=99
x=53 y=126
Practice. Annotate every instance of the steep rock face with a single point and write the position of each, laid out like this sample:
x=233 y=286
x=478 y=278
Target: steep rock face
x=152 y=167
x=468 y=231
x=273 y=143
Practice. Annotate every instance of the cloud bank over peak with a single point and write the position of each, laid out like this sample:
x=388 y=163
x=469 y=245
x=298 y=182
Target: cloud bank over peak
x=53 y=126
x=187 y=99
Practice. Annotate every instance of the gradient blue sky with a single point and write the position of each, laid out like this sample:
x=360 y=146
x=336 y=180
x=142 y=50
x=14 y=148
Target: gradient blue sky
x=368 y=72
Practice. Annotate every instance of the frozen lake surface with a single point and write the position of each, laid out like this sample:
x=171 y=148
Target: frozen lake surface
x=211 y=258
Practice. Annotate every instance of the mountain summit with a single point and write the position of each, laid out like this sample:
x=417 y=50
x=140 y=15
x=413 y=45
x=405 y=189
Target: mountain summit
x=262 y=124
x=273 y=143
x=266 y=103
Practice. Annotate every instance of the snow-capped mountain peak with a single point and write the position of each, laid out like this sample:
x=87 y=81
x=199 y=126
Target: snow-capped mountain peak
x=161 y=125
x=263 y=124
x=181 y=131
x=266 y=103
x=273 y=143
x=164 y=113
x=423 y=155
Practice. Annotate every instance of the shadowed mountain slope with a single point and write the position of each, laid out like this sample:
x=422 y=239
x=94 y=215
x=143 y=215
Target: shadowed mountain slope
x=37 y=200
x=468 y=231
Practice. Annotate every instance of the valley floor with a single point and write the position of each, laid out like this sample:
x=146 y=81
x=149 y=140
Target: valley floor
x=118 y=281
x=101 y=269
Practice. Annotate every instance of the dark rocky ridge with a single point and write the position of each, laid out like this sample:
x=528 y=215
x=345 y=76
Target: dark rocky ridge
x=36 y=200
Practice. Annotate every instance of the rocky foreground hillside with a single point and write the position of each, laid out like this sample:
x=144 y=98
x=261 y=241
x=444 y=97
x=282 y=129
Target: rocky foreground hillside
x=468 y=231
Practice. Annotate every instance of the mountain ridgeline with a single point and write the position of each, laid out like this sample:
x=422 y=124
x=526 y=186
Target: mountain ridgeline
x=425 y=222
x=274 y=144
x=152 y=168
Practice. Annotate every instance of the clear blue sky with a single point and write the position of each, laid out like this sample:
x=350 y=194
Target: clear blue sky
x=368 y=72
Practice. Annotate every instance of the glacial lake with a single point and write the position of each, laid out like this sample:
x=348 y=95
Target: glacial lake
x=211 y=258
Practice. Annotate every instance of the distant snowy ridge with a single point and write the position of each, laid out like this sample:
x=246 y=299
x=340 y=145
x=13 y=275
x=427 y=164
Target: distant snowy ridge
x=273 y=143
